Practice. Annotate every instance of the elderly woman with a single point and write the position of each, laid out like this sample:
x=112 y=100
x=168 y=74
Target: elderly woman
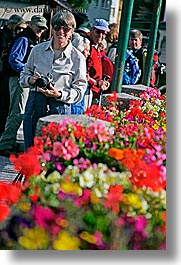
x=83 y=45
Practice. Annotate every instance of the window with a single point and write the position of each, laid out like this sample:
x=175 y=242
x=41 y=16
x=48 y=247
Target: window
x=105 y=3
x=113 y=12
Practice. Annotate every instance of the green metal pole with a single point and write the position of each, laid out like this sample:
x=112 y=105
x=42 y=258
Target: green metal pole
x=123 y=37
x=152 y=41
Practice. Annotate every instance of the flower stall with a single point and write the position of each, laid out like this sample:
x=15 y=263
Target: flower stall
x=88 y=189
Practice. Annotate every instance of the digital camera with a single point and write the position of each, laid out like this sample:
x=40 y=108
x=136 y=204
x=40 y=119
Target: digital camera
x=44 y=81
x=106 y=77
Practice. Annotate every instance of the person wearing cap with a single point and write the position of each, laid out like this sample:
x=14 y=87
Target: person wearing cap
x=7 y=34
x=64 y=68
x=23 y=43
x=95 y=68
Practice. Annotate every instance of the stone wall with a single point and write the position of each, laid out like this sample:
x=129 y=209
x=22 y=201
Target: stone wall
x=84 y=120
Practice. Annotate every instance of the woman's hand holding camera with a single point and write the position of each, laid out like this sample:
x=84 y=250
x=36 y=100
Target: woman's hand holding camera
x=50 y=91
x=47 y=88
x=33 y=78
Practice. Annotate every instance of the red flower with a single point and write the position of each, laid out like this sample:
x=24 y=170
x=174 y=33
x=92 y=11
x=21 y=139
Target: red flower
x=9 y=194
x=4 y=212
x=112 y=98
x=99 y=113
x=79 y=132
x=27 y=163
x=148 y=175
x=114 y=197
x=34 y=197
x=164 y=228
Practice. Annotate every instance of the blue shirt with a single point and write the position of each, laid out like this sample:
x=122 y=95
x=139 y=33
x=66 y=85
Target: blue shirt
x=18 y=53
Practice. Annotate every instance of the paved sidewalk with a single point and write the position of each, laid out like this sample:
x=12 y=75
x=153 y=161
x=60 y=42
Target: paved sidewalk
x=7 y=172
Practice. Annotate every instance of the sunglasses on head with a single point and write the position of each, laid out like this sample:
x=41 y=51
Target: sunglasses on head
x=98 y=31
x=65 y=27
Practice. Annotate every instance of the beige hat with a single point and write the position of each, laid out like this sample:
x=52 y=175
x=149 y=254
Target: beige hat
x=39 y=21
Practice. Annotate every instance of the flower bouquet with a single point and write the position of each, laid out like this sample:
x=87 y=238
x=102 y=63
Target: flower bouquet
x=86 y=188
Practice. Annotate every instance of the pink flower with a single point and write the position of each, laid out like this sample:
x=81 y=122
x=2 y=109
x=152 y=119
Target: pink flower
x=66 y=149
x=57 y=149
x=43 y=216
x=97 y=131
x=145 y=96
x=84 y=198
x=99 y=239
x=72 y=150
x=140 y=224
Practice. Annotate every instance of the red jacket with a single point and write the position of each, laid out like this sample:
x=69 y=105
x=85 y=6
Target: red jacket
x=94 y=67
x=98 y=65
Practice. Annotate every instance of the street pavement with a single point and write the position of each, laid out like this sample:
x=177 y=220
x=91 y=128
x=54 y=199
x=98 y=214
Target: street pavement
x=7 y=172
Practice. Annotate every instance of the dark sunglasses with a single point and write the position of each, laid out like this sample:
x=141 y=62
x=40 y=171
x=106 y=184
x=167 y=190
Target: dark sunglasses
x=20 y=28
x=98 y=31
x=39 y=29
x=65 y=27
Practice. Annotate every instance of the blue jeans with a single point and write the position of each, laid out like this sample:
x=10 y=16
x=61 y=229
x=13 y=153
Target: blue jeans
x=37 y=107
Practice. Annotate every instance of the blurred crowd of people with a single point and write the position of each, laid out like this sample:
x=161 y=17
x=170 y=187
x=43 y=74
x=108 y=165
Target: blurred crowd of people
x=65 y=74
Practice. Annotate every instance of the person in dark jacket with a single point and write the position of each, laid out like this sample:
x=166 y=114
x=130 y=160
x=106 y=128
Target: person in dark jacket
x=132 y=70
x=139 y=51
x=7 y=34
x=20 y=51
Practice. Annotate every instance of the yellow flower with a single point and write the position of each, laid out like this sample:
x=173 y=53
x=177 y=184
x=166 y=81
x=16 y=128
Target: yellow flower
x=164 y=127
x=156 y=125
x=132 y=200
x=88 y=237
x=34 y=238
x=66 y=242
x=72 y=188
x=94 y=199
x=24 y=206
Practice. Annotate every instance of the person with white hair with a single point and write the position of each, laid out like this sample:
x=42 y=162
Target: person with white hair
x=83 y=45
x=83 y=31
